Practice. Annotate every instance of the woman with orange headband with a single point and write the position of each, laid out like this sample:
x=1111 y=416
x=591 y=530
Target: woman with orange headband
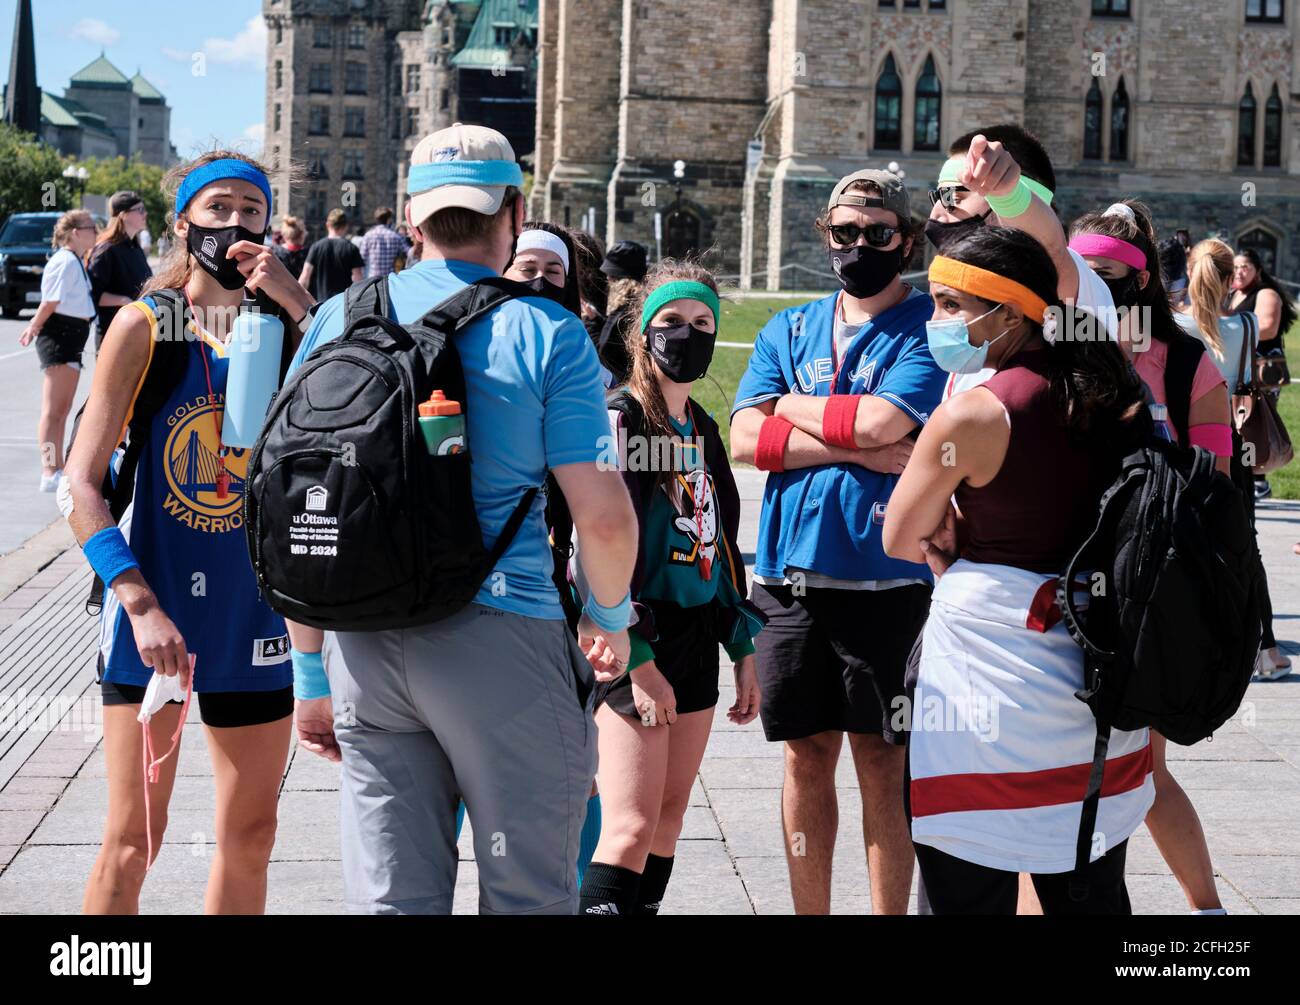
x=994 y=717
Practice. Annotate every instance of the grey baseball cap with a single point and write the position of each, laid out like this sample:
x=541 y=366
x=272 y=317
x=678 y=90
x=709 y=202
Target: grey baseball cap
x=893 y=194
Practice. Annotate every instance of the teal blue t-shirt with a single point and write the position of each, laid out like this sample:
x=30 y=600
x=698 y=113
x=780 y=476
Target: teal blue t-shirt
x=536 y=401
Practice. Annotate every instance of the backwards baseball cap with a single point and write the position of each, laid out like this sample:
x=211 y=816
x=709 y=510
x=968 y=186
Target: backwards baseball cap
x=120 y=202
x=467 y=167
x=893 y=195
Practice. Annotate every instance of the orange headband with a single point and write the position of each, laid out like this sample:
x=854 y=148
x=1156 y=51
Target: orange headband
x=989 y=285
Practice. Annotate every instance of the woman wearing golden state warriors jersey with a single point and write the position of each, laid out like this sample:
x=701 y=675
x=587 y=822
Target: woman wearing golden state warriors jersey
x=178 y=578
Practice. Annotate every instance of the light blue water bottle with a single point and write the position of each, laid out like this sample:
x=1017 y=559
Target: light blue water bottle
x=254 y=374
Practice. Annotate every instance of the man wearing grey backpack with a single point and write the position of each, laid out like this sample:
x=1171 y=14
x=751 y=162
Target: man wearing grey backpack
x=493 y=704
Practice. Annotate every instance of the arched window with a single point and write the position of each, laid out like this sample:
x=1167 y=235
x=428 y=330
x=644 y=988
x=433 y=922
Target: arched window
x=929 y=100
x=683 y=235
x=1273 y=129
x=1119 y=123
x=1246 y=128
x=889 y=107
x=1092 y=123
x=1263 y=243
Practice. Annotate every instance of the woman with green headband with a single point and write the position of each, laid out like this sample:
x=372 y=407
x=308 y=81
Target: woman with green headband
x=688 y=593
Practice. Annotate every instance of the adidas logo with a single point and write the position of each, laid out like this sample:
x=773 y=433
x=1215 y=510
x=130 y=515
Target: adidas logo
x=606 y=908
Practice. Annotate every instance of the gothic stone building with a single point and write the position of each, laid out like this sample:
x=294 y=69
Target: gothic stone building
x=1186 y=104
x=352 y=85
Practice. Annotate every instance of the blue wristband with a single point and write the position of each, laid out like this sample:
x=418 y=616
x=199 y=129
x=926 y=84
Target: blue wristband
x=610 y=619
x=109 y=554
x=309 y=680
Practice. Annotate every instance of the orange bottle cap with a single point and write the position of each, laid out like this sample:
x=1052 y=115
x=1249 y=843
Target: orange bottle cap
x=439 y=405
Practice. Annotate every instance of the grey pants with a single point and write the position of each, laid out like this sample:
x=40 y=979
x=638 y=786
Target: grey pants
x=489 y=707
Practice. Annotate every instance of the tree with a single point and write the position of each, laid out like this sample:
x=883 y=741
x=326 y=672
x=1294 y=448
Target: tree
x=117 y=174
x=31 y=175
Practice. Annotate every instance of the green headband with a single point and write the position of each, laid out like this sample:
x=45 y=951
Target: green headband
x=950 y=173
x=679 y=289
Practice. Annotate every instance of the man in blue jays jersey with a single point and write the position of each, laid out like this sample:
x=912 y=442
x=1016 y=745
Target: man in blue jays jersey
x=833 y=395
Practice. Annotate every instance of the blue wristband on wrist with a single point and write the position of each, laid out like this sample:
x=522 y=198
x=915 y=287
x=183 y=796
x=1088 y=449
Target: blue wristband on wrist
x=109 y=554
x=610 y=619
x=309 y=680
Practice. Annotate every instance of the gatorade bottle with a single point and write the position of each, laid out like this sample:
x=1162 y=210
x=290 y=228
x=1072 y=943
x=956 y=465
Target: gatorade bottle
x=254 y=373
x=442 y=425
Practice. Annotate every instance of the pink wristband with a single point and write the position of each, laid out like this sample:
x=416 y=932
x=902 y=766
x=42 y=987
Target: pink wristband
x=769 y=454
x=1216 y=437
x=838 y=419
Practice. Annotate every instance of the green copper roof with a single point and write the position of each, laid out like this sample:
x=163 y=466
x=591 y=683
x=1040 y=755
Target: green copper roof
x=145 y=90
x=100 y=73
x=55 y=112
x=481 y=48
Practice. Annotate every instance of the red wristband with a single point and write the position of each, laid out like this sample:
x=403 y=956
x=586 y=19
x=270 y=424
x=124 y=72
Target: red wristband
x=838 y=420
x=769 y=455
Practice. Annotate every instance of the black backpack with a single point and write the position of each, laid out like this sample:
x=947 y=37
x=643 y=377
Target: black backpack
x=352 y=525
x=1171 y=639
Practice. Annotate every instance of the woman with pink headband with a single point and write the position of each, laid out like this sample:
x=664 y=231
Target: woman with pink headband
x=1189 y=393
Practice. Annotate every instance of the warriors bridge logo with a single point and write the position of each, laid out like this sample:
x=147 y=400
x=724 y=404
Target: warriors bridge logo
x=191 y=465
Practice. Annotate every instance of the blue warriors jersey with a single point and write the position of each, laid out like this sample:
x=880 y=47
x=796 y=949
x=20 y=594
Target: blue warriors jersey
x=829 y=518
x=190 y=543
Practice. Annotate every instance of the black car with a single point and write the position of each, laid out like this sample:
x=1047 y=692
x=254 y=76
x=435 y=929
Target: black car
x=24 y=249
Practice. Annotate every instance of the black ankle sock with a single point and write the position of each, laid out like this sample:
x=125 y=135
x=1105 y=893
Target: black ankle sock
x=654 y=881
x=608 y=889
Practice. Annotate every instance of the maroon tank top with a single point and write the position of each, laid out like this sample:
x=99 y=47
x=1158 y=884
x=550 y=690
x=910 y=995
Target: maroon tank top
x=1042 y=504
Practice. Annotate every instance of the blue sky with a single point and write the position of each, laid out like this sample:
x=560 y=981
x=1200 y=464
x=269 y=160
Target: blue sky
x=226 y=104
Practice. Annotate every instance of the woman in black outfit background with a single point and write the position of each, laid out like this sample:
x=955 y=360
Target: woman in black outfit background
x=118 y=266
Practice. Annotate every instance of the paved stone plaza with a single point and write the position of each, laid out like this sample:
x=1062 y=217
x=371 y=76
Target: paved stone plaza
x=1245 y=782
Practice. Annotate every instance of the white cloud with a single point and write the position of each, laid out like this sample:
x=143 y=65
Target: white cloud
x=94 y=30
x=248 y=46
x=177 y=54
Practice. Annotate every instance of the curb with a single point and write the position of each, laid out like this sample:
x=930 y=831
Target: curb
x=33 y=555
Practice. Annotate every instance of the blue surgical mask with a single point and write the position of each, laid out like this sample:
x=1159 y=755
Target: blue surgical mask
x=950 y=344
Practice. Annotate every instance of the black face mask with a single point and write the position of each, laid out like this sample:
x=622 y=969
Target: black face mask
x=1123 y=289
x=543 y=287
x=864 y=271
x=683 y=352
x=942 y=234
x=208 y=245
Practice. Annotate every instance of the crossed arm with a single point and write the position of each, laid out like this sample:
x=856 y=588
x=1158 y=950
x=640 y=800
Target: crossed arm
x=879 y=433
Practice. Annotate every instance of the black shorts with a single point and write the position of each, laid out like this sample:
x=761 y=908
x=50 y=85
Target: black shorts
x=686 y=653
x=61 y=341
x=833 y=660
x=955 y=886
x=218 y=709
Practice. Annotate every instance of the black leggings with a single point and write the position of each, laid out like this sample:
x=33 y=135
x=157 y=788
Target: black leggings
x=1244 y=478
x=955 y=886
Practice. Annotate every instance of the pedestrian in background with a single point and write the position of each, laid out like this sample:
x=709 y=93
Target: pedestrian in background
x=118 y=265
x=382 y=244
x=333 y=263
x=60 y=329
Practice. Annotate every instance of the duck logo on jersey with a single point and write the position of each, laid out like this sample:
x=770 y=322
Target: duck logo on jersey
x=699 y=524
x=191 y=465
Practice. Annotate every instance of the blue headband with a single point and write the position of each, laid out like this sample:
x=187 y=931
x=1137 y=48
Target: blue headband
x=423 y=177
x=229 y=167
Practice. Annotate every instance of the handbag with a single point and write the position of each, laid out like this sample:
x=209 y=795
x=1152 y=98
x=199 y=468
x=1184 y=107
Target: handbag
x=1255 y=410
x=1271 y=370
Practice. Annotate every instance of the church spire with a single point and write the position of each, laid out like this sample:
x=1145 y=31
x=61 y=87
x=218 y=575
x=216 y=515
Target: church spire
x=23 y=97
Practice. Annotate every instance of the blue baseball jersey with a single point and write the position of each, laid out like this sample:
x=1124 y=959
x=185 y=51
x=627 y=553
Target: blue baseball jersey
x=536 y=401
x=190 y=544
x=828 y=519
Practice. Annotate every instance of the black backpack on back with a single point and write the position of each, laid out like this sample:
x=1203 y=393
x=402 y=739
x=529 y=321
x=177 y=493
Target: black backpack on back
x=1172 y=629
x=352 y=525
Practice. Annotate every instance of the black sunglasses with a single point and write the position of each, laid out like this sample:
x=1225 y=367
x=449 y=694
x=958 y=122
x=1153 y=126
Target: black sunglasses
x=948 y=195
x=877 y=234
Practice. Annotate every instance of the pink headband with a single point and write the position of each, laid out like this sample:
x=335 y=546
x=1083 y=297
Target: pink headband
x=1109 y=247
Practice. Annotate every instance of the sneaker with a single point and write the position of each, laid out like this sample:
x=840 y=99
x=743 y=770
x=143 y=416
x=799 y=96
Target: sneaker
x=1280 y=660
x=1266 y=669
x=1262 y=489
x=50 y=483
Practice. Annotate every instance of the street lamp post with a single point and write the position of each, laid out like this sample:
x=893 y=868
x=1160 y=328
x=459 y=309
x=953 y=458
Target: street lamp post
x=77 y=175
x=675 y=217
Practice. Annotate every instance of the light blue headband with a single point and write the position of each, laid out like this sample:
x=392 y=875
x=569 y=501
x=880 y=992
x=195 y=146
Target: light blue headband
x=219 y=170
x=423 y=177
